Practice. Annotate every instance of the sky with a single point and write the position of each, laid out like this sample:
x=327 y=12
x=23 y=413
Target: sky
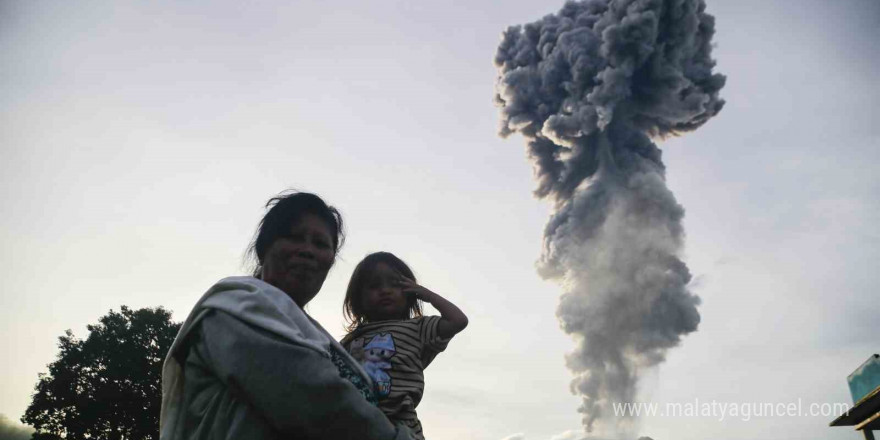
x=140 y=141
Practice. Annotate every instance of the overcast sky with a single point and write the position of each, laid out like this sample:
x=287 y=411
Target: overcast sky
x=140 y=140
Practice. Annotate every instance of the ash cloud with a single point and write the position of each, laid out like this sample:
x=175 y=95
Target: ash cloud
x=590 y=88
x=567 y=435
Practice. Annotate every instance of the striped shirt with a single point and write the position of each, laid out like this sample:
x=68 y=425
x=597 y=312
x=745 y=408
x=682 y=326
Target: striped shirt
x=395 y=353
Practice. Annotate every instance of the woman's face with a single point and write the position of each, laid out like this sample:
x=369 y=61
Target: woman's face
x=298 y=263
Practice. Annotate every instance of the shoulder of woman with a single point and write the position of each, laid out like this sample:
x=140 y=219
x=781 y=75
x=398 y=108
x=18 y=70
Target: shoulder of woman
x=242 y=282
x=264 y=306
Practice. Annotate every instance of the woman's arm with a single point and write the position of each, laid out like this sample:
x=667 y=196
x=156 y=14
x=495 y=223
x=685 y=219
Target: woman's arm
x=296 y=389
x=452 y=319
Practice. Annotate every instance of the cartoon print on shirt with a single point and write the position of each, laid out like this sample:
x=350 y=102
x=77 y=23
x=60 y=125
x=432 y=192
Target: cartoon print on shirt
x=375 y=357
x=356 y=349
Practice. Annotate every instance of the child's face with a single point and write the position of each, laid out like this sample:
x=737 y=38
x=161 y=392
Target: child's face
x=383 y=298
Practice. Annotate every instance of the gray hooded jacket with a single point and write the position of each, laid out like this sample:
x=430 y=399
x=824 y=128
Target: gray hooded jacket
x=248 y=363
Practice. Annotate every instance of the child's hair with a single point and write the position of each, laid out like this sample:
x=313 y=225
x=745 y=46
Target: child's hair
x=353 y=307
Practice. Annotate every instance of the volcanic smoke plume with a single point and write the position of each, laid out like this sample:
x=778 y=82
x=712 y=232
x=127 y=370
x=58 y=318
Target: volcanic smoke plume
x=589 y=88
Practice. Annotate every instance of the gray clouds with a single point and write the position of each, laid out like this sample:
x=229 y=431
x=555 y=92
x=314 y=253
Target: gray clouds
x=10 y=430
x=567 y=435
x=590 y=88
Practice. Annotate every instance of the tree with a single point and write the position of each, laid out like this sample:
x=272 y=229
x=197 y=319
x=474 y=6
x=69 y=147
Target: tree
x=109 y=386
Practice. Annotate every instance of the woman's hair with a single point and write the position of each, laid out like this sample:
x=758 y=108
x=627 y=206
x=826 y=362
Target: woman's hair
x=285 y=209
x=353 y=307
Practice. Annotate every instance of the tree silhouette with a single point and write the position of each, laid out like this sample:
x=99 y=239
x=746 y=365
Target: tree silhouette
x=108 y=386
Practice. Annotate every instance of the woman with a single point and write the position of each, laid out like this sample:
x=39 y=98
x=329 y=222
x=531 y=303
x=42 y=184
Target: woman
x=249 y=363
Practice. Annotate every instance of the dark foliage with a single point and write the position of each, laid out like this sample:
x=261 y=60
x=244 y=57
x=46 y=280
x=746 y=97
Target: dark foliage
x=107 y=387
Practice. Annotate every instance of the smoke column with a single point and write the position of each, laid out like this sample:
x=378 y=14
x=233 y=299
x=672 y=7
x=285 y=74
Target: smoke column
x=590 y=88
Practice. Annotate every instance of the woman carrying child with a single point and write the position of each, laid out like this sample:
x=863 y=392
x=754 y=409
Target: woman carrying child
x=250 y=363
x=391 y=338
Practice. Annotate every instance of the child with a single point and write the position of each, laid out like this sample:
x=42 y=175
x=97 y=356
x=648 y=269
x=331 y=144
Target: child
x=389 y=335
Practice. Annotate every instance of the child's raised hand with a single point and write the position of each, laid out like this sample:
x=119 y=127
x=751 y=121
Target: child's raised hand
x=411 y=288
x=452 y=319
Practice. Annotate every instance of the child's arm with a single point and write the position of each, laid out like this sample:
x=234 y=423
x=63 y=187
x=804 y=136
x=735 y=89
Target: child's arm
x=452 y=319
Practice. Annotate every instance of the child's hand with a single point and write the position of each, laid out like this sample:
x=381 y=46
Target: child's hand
x=411 y=288
x=452 y=320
